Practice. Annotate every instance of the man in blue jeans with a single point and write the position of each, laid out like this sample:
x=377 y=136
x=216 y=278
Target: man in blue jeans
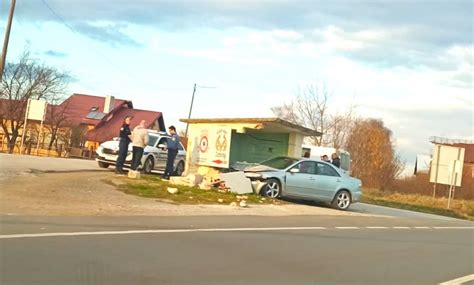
x=173 y=146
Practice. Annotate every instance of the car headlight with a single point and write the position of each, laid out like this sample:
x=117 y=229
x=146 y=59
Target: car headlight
x=253 y=175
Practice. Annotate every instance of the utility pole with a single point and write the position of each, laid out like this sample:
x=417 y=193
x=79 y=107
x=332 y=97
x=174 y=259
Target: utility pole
x=7 y=38
x=190 y=110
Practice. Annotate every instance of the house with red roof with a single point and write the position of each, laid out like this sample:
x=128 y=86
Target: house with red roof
x=90 y=120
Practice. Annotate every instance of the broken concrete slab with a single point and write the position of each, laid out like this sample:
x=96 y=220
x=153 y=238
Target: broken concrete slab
x=237 y=182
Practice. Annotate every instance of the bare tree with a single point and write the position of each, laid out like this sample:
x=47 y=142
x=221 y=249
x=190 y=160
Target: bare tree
x=57 y=119
x=22 y=81
x=311 y=109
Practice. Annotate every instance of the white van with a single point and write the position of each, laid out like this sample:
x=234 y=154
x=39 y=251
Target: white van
x=315 y=152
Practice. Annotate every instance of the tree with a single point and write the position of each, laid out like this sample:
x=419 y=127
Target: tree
x=57 y=119
x=374 y=160
x=311 y=109
x=27 y=79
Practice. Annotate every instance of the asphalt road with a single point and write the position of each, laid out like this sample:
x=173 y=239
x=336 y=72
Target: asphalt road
x=399 y=247
x=234 y=250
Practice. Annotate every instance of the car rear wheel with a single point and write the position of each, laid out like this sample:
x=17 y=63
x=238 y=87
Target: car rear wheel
x=342 y=201
x=149 y=165
x=272 y=188
x=103 y=164
x=179 y=169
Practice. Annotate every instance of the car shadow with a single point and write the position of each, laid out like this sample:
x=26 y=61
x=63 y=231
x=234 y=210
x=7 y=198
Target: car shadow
x=315 y=204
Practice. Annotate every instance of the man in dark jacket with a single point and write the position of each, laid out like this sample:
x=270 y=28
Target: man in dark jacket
x=335 y=160
x=123 y=145
x=173 y=147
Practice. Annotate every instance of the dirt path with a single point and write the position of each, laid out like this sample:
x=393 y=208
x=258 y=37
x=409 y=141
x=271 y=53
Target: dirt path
x=85 y=194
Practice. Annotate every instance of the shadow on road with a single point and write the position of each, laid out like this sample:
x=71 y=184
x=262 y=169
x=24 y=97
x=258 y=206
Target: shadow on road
x=317 y=204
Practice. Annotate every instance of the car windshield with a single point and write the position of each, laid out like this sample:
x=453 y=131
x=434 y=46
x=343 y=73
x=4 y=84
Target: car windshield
x=152 y=140
x=280 y=162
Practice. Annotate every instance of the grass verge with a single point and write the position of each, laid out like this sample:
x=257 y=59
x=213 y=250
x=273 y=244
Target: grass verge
x=461 y=209
x=153 y=187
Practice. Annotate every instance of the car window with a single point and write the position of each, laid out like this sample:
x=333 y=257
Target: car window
x=152 y=140
x=324 y=169
x=307 y=167
x=280 y=162
x=180 y=146
x=164 y=141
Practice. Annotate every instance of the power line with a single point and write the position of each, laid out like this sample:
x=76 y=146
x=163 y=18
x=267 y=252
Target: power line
x=72 y=29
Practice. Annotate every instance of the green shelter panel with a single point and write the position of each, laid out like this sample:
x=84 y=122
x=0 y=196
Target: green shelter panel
x=257 y=146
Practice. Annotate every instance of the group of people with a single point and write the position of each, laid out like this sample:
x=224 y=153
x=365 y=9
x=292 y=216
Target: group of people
x=336 y=161
x=139 y=140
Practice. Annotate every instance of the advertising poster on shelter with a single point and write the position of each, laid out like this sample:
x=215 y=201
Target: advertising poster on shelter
x=213 y=147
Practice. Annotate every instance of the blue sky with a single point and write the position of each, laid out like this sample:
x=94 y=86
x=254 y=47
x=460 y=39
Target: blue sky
x=409 y=63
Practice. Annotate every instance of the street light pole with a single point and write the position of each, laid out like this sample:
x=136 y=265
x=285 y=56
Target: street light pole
x=7 y=37
x=190 y=110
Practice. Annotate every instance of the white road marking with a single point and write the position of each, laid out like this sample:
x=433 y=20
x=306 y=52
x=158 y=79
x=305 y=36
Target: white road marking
x=376 y=228
x=156 y=232
x=36 y=235
x=423 y=228
x=453 y=228
x=459 y=281
x=347 y=228
x=401 y=228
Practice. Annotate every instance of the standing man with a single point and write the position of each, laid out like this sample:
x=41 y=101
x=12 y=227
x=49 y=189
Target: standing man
x=139 y=141
x=123 y=144
x=173 y=146
x=335 y=160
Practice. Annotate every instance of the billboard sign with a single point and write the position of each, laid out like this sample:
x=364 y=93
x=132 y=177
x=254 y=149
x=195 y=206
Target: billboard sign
x=212 y=146
x=447 y=165
x=36 y=110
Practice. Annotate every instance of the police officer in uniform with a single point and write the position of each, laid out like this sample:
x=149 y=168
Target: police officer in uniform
x=173 y=147
x=123 y=145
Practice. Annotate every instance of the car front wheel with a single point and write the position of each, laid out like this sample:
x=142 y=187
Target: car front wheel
x=342 y=201
x=103 y=164
x=148 y=166
x=271 y=189
x=179 y=169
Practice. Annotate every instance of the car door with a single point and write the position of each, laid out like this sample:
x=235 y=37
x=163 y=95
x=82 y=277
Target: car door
x=151 y=147
x=162 y=156
x=300 y=179
x=326 y=183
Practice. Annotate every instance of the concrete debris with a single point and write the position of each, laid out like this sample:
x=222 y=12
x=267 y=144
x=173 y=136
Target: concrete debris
x=243 y=204
x=133 y=174
x=237 y=182
x=204 y=185
x=220 y=200
x=172 y=190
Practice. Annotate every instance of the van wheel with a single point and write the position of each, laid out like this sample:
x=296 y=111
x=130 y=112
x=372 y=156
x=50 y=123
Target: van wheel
x=149 y=165
x=179 y=169
x=103 y=164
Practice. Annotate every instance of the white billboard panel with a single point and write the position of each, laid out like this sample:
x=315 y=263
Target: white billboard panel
x=447 y=165
x=212 y=146
x=36 y=109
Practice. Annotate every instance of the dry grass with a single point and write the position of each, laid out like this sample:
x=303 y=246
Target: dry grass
x=459 y=208
x=153 y=187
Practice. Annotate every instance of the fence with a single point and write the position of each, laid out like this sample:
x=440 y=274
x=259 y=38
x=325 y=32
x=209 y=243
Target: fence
x=55 y=151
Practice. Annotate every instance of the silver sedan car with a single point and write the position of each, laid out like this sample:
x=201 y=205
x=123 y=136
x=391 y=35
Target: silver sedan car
x=306 y=179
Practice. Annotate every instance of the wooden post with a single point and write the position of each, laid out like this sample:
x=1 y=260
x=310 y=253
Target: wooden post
x=24 y=125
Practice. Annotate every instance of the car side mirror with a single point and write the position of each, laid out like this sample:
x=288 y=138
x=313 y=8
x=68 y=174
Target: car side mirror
x=163 y=146
x=294 y=170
